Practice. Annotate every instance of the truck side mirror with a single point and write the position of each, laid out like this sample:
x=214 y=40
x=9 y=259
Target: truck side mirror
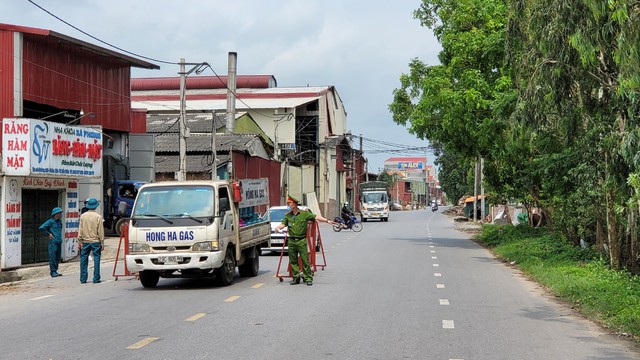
x=224 y=205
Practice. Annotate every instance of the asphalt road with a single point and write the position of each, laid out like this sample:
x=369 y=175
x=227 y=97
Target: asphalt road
x=411 y=288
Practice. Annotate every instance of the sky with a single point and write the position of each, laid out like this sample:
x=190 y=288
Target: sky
x=360 y=47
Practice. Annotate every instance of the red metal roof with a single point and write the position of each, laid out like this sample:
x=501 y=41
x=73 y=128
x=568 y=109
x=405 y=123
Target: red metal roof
x=6 y=74
x=221 y=96
x=403 y=159
x=203 y=82
x=68 y=74
x=79 y=43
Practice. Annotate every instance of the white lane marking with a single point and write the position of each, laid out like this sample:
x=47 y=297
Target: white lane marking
x=431 y=246
x=432 y=251
x=444 y=302
x=440 y=286
x=256 y=286
x=437 y=274
x=435 y=265
x=434 y=257
x=447 y=324
x=41 y=297
x=232 y=298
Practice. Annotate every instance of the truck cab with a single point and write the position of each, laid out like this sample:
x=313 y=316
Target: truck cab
x=198 y=229
x=119 y=200
x=374 y=201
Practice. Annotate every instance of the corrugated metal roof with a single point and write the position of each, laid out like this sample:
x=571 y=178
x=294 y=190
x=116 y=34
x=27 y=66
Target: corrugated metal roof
x=221 y=104
x=334 y=141
x=196 y=122
x=470 y=199
x=203 y=82
x=201 y=143
x=196 y=163
x=79 y=43
x=216 y=99
x=410 y=159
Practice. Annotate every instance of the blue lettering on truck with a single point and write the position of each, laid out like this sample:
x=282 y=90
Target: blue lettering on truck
x=170 y=235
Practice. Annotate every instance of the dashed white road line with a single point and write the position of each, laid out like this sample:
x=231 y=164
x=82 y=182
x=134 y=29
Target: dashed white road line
x=444 y=301
x=232 y=298
x=41 y=297
x=447 y=324
x=437 y=274
x=440 y=286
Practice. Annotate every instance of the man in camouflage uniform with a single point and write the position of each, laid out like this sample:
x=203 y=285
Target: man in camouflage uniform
x=296 y=221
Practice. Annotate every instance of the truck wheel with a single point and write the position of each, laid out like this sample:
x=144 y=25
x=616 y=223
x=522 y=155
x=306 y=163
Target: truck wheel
x=226 y=272
x=119 y=224
x=149 y=279
x=251 y=266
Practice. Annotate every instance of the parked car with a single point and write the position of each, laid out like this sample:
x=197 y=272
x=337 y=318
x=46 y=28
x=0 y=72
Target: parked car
x=276 y=213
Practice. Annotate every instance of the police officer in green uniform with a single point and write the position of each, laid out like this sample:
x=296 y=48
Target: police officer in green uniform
x=296 y=221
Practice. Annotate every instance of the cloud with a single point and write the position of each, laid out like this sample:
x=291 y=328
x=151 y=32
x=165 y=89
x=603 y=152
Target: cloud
x=359 y=47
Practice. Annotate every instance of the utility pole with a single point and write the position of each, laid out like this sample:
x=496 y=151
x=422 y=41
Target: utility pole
x=231 y=92
x=482 y=214
x=475 y=190
x=214 y=167
x=231 y=103
x=182 y=171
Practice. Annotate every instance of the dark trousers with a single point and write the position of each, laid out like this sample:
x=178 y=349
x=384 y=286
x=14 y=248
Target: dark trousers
x=55 y=253
x=94 y=248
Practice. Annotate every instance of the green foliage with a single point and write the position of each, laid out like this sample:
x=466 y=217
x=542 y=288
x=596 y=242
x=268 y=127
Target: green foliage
x=386 y=177
x=459 y=103
x=547 y=93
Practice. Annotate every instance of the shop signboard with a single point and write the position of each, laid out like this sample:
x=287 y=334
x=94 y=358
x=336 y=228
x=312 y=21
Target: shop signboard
x=34 y=147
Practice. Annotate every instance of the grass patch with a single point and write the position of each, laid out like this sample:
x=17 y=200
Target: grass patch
x=575 y=275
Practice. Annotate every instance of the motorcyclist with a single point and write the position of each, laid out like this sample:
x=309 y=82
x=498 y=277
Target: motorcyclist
x=346 y=214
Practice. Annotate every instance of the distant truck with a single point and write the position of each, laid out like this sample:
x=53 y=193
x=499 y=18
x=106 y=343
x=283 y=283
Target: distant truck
x=118 y=203
x=198 y=229
x=374 y=201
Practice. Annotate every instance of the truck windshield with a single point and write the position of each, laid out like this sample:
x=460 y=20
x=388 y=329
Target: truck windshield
x=375 y=197
x=175 y=202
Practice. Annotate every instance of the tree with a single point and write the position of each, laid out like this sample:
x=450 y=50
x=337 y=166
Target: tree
x=458 y=103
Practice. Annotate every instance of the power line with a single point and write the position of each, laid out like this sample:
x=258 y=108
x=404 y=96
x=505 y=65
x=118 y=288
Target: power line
x=373 y=146
x=97 y=39
x=200 y=65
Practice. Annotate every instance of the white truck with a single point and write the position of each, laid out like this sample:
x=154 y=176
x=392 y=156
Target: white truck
x=198 y=229
x=374 y=201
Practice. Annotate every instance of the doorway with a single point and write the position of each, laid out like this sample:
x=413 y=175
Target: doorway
x=36 y=209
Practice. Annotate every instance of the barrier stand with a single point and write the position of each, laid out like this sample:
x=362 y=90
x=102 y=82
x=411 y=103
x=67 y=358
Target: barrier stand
x=124 y=237
x=313 y=239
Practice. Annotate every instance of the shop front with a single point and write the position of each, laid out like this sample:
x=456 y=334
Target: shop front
x=42 y=164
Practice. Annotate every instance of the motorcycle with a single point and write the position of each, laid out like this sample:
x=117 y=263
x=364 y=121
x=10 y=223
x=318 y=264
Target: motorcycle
x=354 y=224
x=434 y=207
